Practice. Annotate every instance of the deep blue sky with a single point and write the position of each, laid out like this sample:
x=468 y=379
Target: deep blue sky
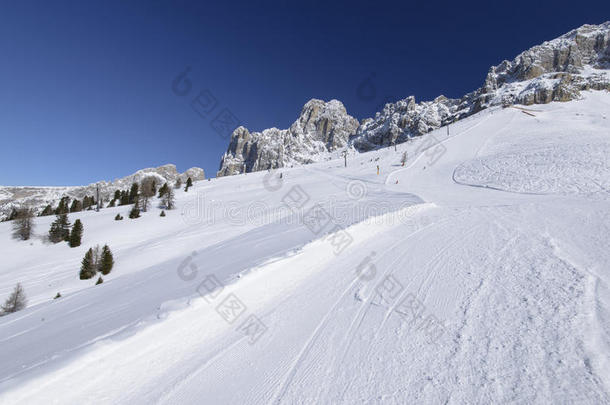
x=87 y=86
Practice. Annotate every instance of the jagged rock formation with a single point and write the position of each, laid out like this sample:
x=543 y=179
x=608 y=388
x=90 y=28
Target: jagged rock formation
x=39 y=197
x=321 y=127
x=556 y=70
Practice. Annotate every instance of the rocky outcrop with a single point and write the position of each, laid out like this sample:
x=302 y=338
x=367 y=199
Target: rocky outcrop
x=556 y=70
x=321 y=127
x=38 y=197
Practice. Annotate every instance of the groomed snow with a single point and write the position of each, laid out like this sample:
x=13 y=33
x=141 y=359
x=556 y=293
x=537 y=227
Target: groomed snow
x=477 y=273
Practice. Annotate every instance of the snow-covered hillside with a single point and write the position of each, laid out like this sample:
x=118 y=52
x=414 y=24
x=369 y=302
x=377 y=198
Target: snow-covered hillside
x=478 y=272
x=38 y=197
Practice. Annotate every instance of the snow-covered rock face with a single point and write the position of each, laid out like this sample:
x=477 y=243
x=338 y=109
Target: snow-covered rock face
x=38 y=197
x=556 y=70
x=321 y=127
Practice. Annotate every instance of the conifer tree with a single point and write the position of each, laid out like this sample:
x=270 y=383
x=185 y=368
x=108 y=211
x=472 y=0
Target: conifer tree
x=163 y=190
x=133 y=193
x=76 y=234
x=48 y=210
x=15 y=302
x=162 y=213
x=100 y=280
x=112 y=203
x=178 y=183
x=118 y=217
x=106 y=261
x=23 y=224
x=117 y=195
x=60 y=229
x=76 y=206
x=135 y=211
x=62 y=207
x=87 y=267
x=189 y=184
x=124 y=198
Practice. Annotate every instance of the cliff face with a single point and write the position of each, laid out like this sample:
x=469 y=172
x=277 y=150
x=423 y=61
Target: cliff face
x=321 y=127
x=556 y=70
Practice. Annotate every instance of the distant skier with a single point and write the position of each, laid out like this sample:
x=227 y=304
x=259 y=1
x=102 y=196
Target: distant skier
x=377 y=170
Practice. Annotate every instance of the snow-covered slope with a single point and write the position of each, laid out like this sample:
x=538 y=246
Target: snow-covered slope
x=38 y=197
x=476 y=273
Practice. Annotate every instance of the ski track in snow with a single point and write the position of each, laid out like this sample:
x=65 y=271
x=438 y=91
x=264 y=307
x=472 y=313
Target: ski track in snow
x=504 y=239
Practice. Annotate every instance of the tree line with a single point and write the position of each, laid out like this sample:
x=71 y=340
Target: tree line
x=140 y=195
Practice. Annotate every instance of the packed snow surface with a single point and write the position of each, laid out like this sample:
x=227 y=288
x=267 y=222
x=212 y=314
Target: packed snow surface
x=476 y=273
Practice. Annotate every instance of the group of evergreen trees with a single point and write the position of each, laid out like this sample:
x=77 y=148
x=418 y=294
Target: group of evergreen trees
x=142 y=193
x=65 y=207
x=60 y=231
x=139 y=195
x=95 y=261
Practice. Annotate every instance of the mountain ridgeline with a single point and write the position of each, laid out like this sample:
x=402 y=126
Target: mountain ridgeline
x=556 y=70
x=37 y=198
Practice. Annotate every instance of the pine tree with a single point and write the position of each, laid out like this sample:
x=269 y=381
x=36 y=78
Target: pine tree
x=107 y=261
x=112 y=203
x=76 y=234
x=163 y=190
x=118 y=217
x=60 y=229
x=15 y=302
x=117 y=195
x=100 y=280
x=48 y=210
x=162 y=213
x=178 y=183
x=135 y=211
x=87 y=269
x=63 y=207
x=76 y=206
x=124 y=198
x=133 y=193
x=23 y=224
x=189 y=184
x=87 y=202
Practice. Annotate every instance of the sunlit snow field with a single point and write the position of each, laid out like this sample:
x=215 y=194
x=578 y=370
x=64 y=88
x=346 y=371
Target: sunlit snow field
x=476 y=273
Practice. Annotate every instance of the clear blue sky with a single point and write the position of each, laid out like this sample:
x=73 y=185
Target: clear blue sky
x=87 y=86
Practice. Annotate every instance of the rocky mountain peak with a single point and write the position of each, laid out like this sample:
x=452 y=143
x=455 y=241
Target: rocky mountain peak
x=556 y=70
x=321 y=127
